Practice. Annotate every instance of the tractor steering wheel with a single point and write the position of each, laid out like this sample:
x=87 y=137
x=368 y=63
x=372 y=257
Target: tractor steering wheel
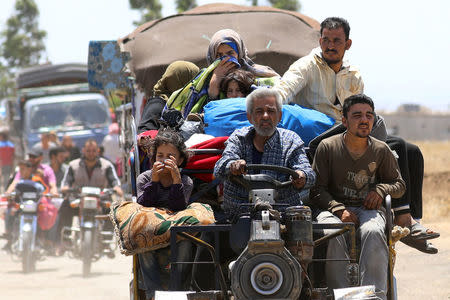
x=249 y=181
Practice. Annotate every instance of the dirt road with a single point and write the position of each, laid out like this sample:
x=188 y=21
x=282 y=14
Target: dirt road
x=60 y=278
x=425 y=276
x=419 y=276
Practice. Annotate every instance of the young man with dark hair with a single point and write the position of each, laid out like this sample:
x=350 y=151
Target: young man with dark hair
x=335 y=23
x=35 y=158
x=322 y=81
x=57 y=157
x=91 y=170
x=44 y=146
x=355 y=172
x=72 y=150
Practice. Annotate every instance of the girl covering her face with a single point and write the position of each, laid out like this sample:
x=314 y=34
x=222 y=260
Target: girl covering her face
x=163 y=185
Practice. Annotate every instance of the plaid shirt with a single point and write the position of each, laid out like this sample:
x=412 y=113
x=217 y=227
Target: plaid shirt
x=284 y=148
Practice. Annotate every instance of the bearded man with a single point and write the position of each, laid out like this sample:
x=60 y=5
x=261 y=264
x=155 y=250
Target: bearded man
x=91 y=170
x=264 y=143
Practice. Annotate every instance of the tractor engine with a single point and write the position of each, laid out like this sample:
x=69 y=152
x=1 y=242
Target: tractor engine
x=266 y=269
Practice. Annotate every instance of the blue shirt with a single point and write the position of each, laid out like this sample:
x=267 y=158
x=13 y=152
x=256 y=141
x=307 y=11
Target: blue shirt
x=284 y=148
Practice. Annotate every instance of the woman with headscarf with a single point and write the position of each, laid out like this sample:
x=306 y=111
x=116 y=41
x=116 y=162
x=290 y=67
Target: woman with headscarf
x=227 y=44
x=226 y=53
x=175 y=77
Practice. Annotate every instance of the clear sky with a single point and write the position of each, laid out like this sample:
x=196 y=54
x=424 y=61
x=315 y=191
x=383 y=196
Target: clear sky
x=400 y=46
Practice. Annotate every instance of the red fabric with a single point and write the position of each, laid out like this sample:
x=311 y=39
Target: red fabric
x=47 y=216
x=119 y=167
x=206 y=161
x=6 y=156
x=214 y=143
x=148 y=133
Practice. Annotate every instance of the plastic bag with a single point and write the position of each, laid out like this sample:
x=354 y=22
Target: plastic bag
x=189 y=128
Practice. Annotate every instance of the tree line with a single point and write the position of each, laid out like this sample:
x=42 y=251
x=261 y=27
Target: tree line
x=22 y=42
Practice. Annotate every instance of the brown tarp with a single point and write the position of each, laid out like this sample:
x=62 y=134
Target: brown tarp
x=273 y=37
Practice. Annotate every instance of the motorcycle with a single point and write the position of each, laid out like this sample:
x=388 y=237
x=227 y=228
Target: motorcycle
x=28 y=206
x=94 y=236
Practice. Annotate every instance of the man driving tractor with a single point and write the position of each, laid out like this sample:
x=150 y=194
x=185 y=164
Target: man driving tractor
x=264 y=143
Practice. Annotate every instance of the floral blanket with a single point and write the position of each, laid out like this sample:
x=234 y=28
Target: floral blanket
x=141 y=229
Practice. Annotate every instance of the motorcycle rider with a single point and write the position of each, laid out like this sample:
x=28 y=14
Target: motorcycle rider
x=89 y=170
x=57 y=157
x=27 y=172
x=25 y=169
x=35 y=158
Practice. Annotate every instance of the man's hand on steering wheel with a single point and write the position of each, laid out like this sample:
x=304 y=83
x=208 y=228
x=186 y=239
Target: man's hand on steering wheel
x=300 y=182
x=238 y=167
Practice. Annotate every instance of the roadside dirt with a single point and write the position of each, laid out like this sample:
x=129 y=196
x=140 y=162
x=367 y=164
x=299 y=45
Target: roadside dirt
x=60 y=278
x=419 y=275
x=425 y=276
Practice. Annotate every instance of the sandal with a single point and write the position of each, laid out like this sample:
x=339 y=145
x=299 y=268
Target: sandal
x=419 y=232
x=421 y=245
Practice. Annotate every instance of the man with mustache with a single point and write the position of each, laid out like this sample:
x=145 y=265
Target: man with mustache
x=322 y=81
x=89 y=170
x=355 y=172
x=264 y=143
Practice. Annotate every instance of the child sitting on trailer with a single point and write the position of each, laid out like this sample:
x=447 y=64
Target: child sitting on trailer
x=163 y=186
x=237 y=84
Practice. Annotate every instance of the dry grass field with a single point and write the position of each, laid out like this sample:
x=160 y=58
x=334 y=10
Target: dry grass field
x=436 y=186
x=420 y=275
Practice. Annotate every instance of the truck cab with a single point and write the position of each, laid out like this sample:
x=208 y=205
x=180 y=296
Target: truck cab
x=82 y=116
x=57 y=98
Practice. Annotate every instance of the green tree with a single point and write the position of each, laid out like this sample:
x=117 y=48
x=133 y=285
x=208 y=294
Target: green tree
x=293 y=5
x=22 y=43
x=7 y=83
x=183 y=5
x=254 y=2
x=150 y=10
